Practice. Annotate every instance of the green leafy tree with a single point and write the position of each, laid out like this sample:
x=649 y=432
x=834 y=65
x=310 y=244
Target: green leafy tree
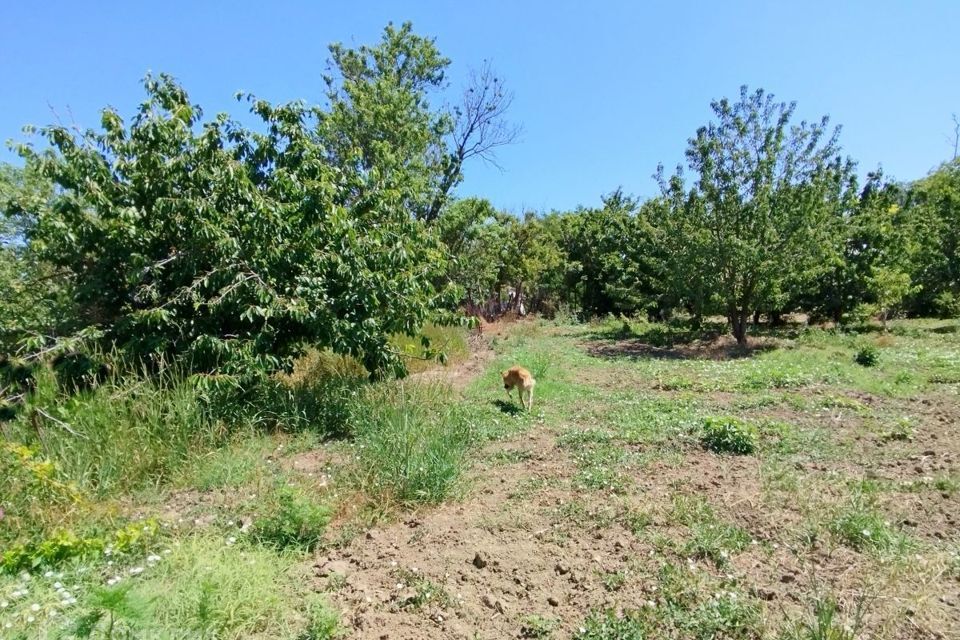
x=933 y=206
x=474 y=234
x=610 y=257
x=33 y=300
x=757 y=211
x=889 y=288
x=233 y=249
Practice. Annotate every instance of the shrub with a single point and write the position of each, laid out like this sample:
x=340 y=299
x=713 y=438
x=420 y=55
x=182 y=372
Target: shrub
x=729 y=435
x=292 y=520
x=867 y=355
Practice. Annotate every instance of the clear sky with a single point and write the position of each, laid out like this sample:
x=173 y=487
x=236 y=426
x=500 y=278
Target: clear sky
x=604 y=90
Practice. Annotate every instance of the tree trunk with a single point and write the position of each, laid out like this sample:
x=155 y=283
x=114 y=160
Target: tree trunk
x=738 y=321
x=776 y=319
x=756 y=317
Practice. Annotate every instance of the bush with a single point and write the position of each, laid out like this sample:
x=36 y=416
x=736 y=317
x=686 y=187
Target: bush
x=318 y=394
x=729 y=435
x=947 y=305
x=867 y=355
x=292 y=520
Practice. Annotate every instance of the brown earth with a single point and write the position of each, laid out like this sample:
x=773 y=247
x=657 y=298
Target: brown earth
x=526 y=541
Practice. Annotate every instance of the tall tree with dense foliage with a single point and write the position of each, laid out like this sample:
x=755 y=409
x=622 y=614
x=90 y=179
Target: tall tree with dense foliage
x=33 y=301
x=756 y=213
x=231 y=248
x=934 y=203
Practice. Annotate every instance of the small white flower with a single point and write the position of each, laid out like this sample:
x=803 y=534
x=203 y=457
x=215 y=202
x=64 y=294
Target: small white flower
x=231 y=540
x=153 y=558
x=34 y=607
x=48 y=574
x=57 y=585
x=25 y=576
x=31 y=619
x=4 y=604
x=866 y=532
x=135 y=571
x=8 y=625
x=166 y=552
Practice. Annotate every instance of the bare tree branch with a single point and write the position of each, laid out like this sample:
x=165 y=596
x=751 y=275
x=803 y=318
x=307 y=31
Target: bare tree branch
x=480 y=128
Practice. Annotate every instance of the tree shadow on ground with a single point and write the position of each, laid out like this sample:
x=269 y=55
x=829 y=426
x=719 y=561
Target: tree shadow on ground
x=682 y=340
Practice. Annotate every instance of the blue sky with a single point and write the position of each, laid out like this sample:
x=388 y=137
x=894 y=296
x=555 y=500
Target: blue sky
x=604 y=90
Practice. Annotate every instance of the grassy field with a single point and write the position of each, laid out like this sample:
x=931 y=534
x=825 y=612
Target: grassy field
x=662 y=486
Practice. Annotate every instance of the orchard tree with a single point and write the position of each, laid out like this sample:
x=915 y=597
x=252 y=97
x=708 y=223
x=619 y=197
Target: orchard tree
x=232 y=249
x=475 y=236
x=756 y=213
x=33 y=300
x=933 y=207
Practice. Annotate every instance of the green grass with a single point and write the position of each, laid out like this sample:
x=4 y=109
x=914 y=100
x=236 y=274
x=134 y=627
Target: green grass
x=861 y=525
x=710 y=538
x=411 y=445
x=685 y=606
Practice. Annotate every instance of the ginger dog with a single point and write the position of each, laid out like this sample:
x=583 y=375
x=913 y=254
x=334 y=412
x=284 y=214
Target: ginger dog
x=521 y=379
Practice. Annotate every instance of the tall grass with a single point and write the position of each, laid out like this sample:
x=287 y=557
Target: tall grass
x=411 y=443
x=127 y=432
x=447 y=344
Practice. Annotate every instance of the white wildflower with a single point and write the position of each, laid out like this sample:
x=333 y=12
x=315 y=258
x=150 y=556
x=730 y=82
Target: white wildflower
x=135 y=571
x=35 y=607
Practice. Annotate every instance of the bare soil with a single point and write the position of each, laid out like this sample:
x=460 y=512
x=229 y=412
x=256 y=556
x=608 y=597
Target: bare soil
x=528 y=541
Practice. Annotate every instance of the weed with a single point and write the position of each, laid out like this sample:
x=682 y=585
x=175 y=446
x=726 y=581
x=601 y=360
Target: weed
x=111 y=611
x=607 y=625
x=422 y=591
x=825 y=623
x=535 y=626
x=902 y=431
x=862 y=526
x=867 y=355
x=411 y=445
x=613 y=580
x=729 y=435
x=291 y=520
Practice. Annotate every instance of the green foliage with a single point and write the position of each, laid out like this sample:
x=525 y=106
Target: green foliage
x=754 y=220
x=535 y=626
x=860 y=525
x=729 y=435
x=111 y=611
x=411 y=444
x=292 y=519
x=66 y=545
x=209 y=589
x=228 y=248
x=131 y=430
x=825 y=623
x=867 y=355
